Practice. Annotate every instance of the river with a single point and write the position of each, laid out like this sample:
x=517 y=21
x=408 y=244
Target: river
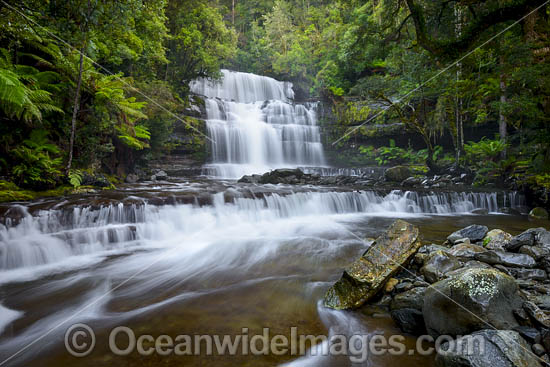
x=208 y=255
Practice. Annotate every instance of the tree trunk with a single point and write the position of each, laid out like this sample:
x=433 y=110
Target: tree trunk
x=75 y=110
x=458 y=101
x=233 y=12
x=502 y=124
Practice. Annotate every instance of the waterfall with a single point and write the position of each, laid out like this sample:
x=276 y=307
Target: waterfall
x=255 y=127
x=56 y=235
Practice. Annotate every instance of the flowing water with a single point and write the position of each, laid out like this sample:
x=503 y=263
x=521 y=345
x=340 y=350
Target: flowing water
x=211 y=256
x=255 y=126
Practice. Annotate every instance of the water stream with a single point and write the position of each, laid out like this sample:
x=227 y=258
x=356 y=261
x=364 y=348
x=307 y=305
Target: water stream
x=211 y=256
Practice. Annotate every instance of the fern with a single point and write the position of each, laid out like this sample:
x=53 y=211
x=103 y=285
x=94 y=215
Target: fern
x=75 y=178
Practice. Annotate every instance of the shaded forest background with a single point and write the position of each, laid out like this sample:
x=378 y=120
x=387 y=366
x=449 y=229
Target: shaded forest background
x=111 y=97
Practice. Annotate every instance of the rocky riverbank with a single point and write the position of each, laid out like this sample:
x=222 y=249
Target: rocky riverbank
x=479 y=283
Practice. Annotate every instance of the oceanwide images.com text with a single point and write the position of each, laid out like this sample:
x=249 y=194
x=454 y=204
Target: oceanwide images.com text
x=80 y=341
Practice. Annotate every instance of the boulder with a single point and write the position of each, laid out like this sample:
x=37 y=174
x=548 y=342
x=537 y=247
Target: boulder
x=480 y=211
x=161 y=175
x=506 y=258
x=497 y=239
x=536 y=252
x=466 y=252
x=411 y=182
x=284 y=175
x=538 y=213
x=390 y=285
x=413 y=298
x=531 y=237
x=495 y=348
x=366 y=276
x=437 y=265
x=538 y=317
x=409 y=320
x=467 y=301
x=397 y=174
x=406 y=311
x=474 y=232
x=253 y=179
x=132 y=178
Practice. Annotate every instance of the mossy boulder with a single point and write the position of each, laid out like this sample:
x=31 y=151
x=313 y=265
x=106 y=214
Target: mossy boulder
x=538 y=213
x=363 y=279
x=471 y=300
x=397 y=174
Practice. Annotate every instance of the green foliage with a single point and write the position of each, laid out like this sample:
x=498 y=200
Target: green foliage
x=75 y=178
x=38 y=164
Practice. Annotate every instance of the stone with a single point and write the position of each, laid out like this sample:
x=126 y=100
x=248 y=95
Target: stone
x=467 y=301
x=413 y=298
x=411 y=182
x=474 y=232
x=542 y=301
x=497 y=239
x=438 y=265
x=509 y=211
x=530 y=334
x=409 y=320
x=403 y=286
x=538 y=350
x=480 y=211
x=524 y=274
x=466 y=252
x=536 y=252
x=531 y=237
x=495 y=348
x=132 y=178
x=363 y=279
x=538 y=316
x=390 y=285
x=161 y=175
x=397 y=173
x=538 y=213
x=506 y=258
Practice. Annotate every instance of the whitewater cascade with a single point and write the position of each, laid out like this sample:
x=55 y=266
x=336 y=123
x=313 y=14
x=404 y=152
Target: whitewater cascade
x=255 y=127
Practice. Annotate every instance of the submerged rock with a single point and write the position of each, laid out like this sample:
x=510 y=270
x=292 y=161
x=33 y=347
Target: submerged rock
x=495 y=348
x=469 y=301
x=366 y=276
x=474 y=232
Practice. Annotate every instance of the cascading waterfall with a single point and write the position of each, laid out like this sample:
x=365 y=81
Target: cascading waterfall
x=55 y=235
x=255 y=127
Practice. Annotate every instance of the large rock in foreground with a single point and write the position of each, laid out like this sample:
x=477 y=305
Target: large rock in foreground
x=367 y=275
x=496 y=348
x=468 y=300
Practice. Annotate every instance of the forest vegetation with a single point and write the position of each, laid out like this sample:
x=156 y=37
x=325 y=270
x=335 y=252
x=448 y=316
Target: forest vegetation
x=91 y=86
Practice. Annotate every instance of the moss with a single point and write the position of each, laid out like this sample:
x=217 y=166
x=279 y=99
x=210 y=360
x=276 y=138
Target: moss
x=11 y=192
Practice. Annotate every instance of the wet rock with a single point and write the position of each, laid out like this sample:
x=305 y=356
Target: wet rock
x=542 y=301
x=509 y=211
x=409 y=320
x=466 y=252
x=538 y=316
x=390 y=285
x=495 y=348
x=366 y=276
x=531 y=237
x=97 y=180
x=474 y=233
x=132 y=178
x=534 y=274
x=472 y=264
x=480 y=211
x=538 y=349
x=530 y=334
x=413 y=298
x=397 y=174
x=403 y=286
x=406 y=311
x=411 y=182
x=464 y=303
x=538 y=213
x=497 y=239
x=506 y=258
x=428 y=249
x=161 y=175
x=438 y=265
x=536 y=252
x=251 y=179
